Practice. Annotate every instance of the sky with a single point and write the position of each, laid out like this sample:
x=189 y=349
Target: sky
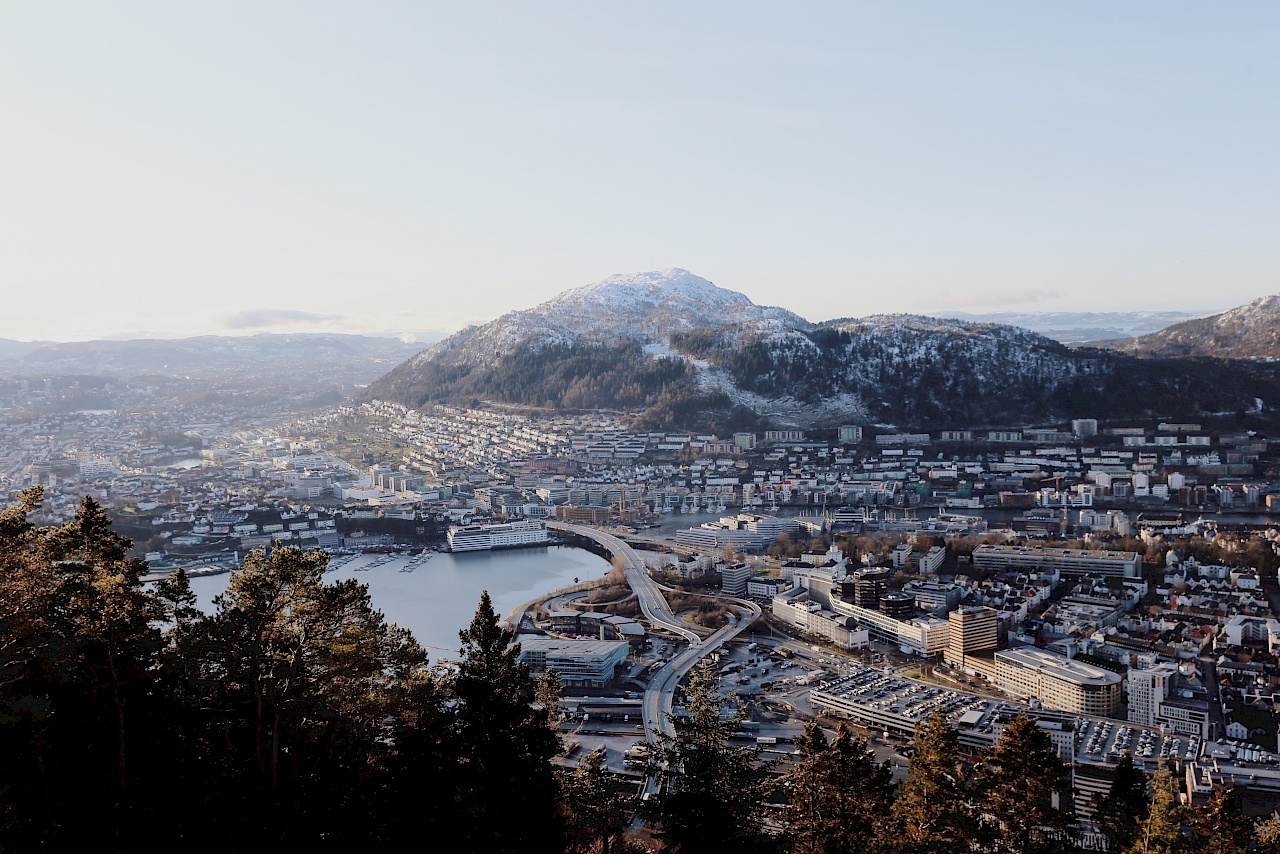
x=170 y=169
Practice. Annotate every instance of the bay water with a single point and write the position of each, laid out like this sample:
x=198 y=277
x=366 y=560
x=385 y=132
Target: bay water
x=439 y=597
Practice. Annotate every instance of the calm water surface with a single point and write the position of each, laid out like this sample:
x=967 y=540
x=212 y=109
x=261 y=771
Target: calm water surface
x=439 y=597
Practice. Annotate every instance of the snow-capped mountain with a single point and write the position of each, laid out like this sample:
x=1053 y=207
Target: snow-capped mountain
x=642 y=306
x=676 y=349
x=1249 y=331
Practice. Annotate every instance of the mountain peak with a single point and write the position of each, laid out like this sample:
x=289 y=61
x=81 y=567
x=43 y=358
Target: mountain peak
x=661 y=289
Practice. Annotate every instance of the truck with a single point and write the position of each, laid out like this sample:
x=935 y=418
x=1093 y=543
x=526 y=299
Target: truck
x=766 y=739
x=636 y=756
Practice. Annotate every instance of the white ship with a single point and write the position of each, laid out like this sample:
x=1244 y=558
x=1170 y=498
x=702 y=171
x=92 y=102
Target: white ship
x=474 y=538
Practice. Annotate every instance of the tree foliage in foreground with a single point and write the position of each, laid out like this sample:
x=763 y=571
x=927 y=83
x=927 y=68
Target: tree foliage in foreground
x=838 y=795
x=932 y=811
x=292 y=716
x=1017 y=786
x=713 y=790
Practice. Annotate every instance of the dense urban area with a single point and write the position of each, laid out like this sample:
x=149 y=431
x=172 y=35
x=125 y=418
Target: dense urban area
x=1115 y=584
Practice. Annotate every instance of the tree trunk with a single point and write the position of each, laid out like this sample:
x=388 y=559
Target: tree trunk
x=122 y=777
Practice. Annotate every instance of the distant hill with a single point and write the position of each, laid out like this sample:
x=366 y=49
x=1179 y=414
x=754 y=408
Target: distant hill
x=1083 y=327
x=345 y=358
x=675 y=349
x=1250 y=331
x=10 y=349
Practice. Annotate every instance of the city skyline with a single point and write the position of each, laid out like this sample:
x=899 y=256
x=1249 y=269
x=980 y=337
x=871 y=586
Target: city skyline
x=174 y=171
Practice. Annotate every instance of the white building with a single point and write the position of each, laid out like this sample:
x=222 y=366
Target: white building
x=1057 y=682
x=1243 y=630
x=1147 y=690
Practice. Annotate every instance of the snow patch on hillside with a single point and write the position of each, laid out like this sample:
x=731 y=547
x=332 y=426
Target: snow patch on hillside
x=833 y=409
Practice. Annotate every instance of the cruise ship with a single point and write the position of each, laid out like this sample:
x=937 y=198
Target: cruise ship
x=474 y=538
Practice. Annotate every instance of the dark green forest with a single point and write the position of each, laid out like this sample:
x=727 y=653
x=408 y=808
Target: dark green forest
x=294 y=717
x=968 y=376
x=616 y=376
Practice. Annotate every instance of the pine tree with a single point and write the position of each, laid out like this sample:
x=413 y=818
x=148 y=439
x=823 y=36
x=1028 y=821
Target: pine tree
x=597 y=812
x=77 y=646
x=301 y=679
x=838 y=794
x=1122 y=809
x=931 y=812
x=420 y=788
x=1017 y=784
x=713 y=791
x=547 y=698
x=1219 y=826
x=509 y=799
x=1161 y=830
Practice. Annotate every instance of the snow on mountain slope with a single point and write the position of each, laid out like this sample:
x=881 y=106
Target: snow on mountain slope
x=1251 y=331
x=641 y=306
x=678 y=349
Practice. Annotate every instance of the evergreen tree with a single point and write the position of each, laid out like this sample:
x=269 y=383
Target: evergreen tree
x=509 y=799
x=713 y=792
x=547 y=698
x=1017 y=784
x=1219 y=826
x=931 y=812
x=838 y=794
x=1122 y=809
x=1161 y=830
x=76 y=648
x=420 y=789
x=597 y=812
x=300 y=679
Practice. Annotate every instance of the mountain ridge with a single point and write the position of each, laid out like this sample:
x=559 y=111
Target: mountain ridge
x=205 y=355
x=674 y=348
x=1249 y=331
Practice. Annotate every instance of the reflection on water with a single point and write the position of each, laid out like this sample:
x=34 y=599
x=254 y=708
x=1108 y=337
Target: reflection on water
x=439 y=597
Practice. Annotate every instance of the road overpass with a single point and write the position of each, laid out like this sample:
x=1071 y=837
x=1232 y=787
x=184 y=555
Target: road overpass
x=652 y=603
x=660 y=695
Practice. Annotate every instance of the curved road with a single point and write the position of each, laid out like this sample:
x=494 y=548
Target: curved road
x=659 y=697
x=652 y=602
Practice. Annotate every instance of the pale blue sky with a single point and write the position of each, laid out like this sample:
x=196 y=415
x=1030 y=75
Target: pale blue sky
x=174 y=168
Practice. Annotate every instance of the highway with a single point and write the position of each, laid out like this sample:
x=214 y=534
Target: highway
x=659 y=697
x=652 y=603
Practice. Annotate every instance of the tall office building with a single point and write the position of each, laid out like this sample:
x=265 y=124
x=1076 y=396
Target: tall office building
x=972 y=631
x=869 y=585
x=1147 y=689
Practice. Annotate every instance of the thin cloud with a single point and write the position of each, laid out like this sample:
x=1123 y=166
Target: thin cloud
x=256 y=318
x=995 y=299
